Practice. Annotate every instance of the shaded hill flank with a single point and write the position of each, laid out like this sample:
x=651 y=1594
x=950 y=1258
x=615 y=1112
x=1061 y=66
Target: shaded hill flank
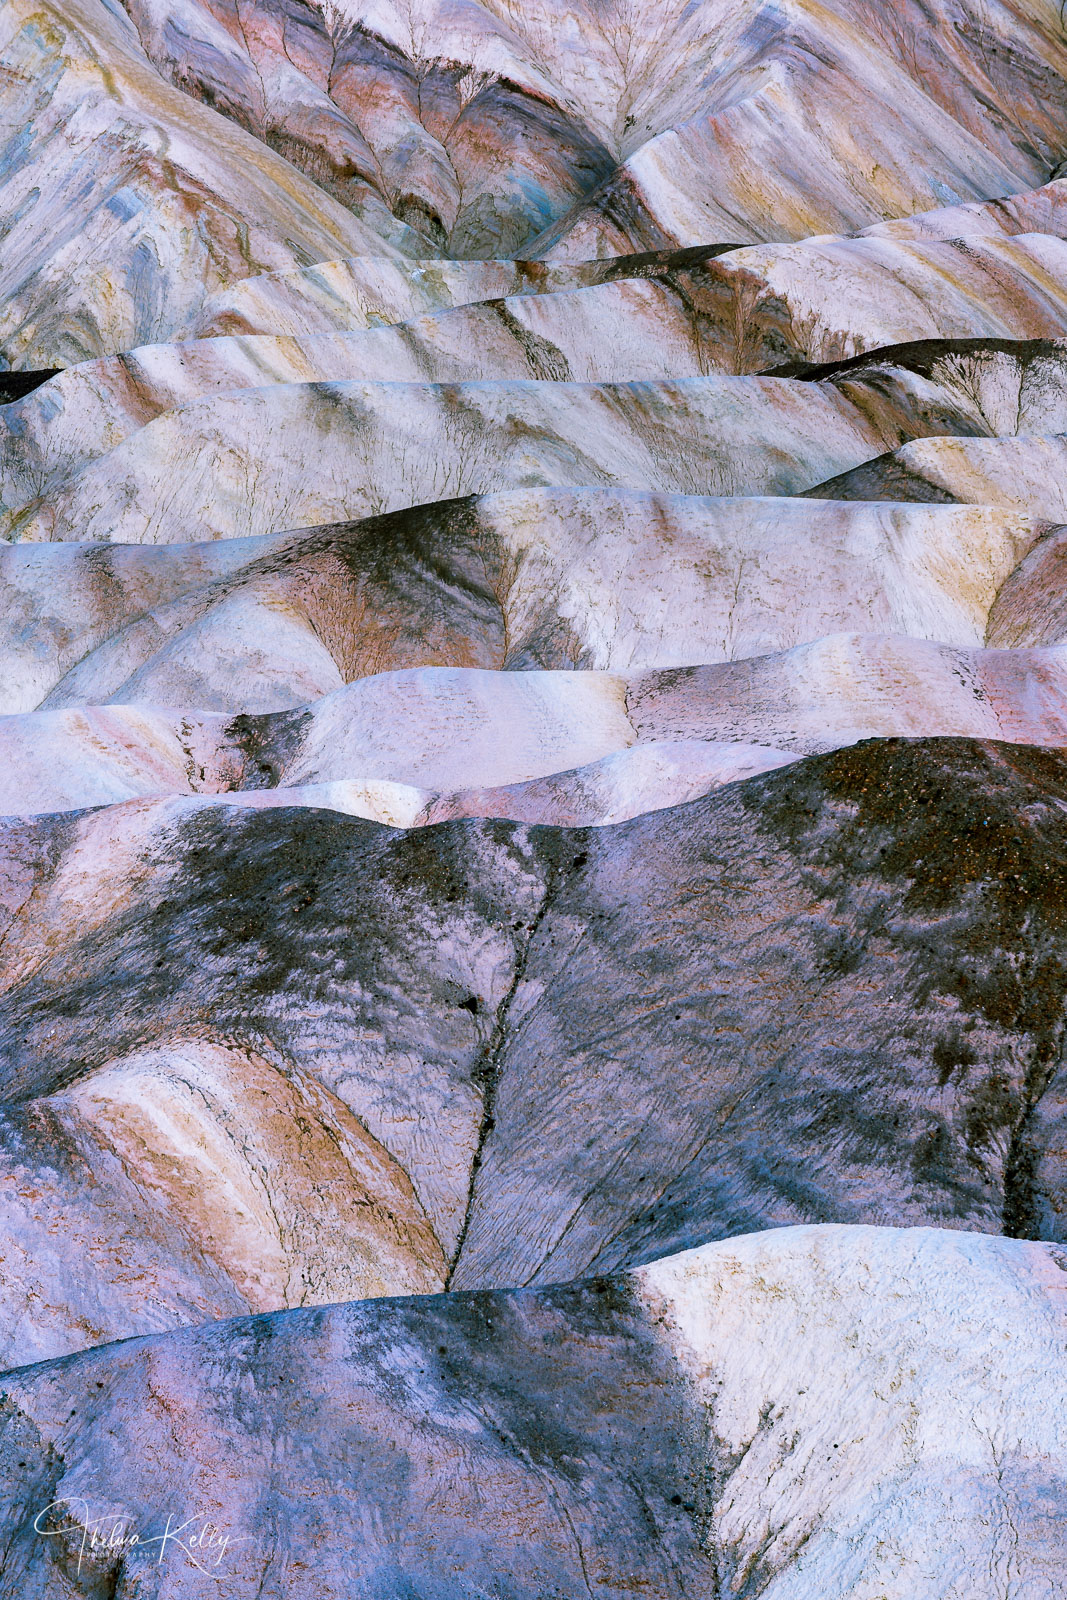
x=832 y=993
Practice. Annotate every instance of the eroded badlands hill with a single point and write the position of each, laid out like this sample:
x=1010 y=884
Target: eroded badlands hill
x=533 y=712
x=709 y=1424
x=306 y=1058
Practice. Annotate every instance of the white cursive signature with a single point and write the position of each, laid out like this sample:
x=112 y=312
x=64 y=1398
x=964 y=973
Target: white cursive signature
x=113 y=1534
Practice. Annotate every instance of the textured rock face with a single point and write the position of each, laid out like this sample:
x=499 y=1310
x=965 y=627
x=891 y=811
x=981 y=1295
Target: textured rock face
x=703 y=1425
x=834 y=992
x=120 y=197
x=533 y=799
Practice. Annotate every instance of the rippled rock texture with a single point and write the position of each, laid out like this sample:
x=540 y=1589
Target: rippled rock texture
x=533 y=800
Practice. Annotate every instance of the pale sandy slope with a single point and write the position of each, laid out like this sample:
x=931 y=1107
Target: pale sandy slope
x=210 y=438
x=631 y=117
x=1030 y=471
x=236 y=464
x=796 y=149
x=123 y=203
x=534 y=578
x=387 y=746
x=715 y=318
x=484 y=132
x=846 y=1411
x=359 y=292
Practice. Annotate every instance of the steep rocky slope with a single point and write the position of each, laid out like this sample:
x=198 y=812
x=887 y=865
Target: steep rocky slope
x=533 y=799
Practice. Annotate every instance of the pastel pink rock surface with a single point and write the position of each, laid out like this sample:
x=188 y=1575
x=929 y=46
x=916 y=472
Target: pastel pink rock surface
x=533 y=800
